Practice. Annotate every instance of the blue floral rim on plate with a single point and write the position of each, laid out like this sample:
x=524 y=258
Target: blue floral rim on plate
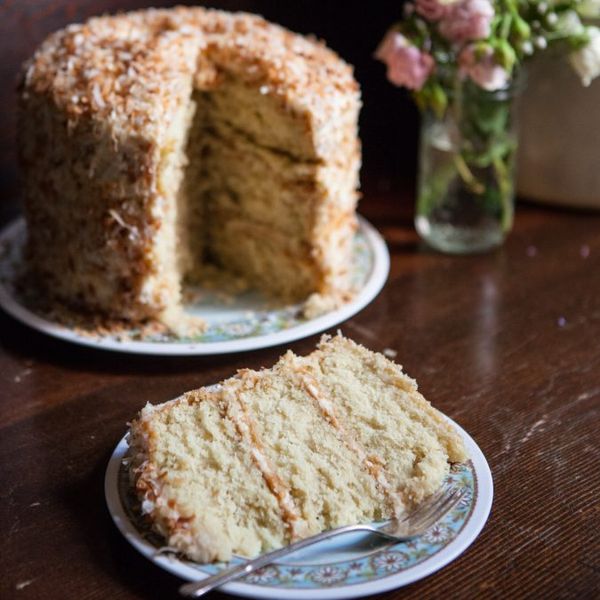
x=378 y=561
x=236 y=322
x=229 y=317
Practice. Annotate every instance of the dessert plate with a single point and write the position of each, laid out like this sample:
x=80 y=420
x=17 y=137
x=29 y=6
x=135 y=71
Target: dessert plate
x=235 y=323
x=349 y=566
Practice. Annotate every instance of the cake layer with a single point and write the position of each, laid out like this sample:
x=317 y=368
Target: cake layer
x=262 y=184
x=337 y=437
x=170 y=254
x=308 y=204
x=191 y=196
x=278 y=266
x=260 y=116
x=383 y=411
x=328 y=485
x=300 y=78
x=199 y=483
x=273 y=185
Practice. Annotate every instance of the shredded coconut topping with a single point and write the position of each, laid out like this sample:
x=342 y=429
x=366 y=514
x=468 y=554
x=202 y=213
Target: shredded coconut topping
x=127 y=69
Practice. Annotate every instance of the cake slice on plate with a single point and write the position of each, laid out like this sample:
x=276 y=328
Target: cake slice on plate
x=336 y=437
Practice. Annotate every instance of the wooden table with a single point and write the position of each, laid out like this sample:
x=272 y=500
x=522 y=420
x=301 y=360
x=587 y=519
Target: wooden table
x=506 y=343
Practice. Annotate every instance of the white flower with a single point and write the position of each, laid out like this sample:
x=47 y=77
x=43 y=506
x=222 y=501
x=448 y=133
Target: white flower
x=527 y=48
x=390 y=562
x=263 y=576
x=438 y=534
x=328 y=575
x=590 y=9
x=569 y=23
x=587 y=60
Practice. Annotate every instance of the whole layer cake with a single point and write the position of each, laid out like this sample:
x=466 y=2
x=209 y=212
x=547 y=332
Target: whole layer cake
x=337 y=437
x=156 y=142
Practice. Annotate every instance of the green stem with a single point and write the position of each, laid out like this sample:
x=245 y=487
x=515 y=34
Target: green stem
x=467 y=176
x=505 y=26
x=434 y=188
x=503 y=177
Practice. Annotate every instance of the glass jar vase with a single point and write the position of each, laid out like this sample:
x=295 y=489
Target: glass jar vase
x=465 y=193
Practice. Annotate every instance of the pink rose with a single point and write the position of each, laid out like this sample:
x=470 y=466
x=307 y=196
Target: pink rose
x=467 y=20
x=407 y=66
x=482 y=69
x=432 y=10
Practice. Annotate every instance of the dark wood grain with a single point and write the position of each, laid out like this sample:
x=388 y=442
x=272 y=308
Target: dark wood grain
x=505 y=343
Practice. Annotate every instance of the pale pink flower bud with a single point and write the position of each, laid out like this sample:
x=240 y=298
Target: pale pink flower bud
x=407 y=66
x=467 y=20
x=432 y=10
x=482 y=68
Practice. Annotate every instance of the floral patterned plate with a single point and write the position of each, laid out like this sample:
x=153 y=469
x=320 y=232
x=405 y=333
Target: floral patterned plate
x=236 y=323
x=350 y=566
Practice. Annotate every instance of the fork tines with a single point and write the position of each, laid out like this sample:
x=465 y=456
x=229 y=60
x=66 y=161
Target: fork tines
x=437 y=505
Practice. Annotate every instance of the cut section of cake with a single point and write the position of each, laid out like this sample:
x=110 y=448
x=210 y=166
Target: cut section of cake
x=156 y=141
x=337 y=437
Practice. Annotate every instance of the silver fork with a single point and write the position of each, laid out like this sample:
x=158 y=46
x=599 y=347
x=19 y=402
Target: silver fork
x=397 y=530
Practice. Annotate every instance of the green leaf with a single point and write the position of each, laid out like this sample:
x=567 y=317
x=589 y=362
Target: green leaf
x=439 y=99
x=505 y=55
x=521 y=28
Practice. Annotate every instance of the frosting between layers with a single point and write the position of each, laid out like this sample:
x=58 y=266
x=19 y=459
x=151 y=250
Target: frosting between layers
x=243 y=423
x=372 y=464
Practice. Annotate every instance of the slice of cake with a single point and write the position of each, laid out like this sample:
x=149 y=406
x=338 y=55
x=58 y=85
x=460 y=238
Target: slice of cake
x=337 y=437
x=155 y=142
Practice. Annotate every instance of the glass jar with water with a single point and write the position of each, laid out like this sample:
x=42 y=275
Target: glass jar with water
x=465 y=194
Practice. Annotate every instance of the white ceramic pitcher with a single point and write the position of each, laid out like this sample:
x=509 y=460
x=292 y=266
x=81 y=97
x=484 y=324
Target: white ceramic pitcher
x=559 y=136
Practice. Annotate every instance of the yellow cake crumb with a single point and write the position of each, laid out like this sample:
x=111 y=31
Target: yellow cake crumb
x=337 y=437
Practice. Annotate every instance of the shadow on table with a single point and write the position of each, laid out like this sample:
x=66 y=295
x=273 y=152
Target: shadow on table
x=26 y=344
x=108 y=549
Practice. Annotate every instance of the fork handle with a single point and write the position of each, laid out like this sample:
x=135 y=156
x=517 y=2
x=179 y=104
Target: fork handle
x=199 y=588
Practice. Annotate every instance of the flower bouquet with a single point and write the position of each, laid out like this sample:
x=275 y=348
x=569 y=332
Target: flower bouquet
x=462 y=61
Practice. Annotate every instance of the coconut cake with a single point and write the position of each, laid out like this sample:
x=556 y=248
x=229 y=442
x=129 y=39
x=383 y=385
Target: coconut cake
x=155 y=142
x=337 y=437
